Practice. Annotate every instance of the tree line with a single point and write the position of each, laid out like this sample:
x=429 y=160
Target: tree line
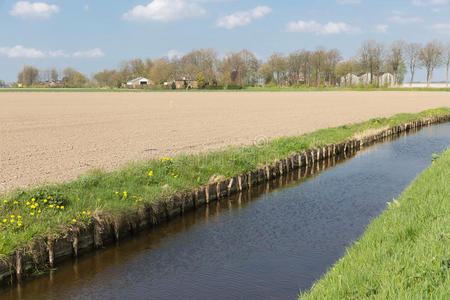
x=308 y=68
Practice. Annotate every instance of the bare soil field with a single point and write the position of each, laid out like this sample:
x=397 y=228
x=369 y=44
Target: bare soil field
x=54 y=137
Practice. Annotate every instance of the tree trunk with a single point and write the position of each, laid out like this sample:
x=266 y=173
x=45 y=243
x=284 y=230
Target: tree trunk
x=446 y=82
x=395 y=79
x=428 y=79
x=412 y=79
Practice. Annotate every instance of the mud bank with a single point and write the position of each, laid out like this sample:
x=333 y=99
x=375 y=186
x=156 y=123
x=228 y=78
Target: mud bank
x=107 y=229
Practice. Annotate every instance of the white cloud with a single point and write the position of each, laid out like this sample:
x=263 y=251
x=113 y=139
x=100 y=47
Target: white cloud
x=429 y=2
x=443 y=28
x=20 y=51
x=381 y=28
x=164 y=11
x=349 y=1
x=26 y=9
x=400 y=18
x=96 y=52
x=242 y=18
x=317 y=28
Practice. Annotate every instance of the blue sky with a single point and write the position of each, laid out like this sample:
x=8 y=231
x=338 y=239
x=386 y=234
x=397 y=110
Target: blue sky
x=94 y=34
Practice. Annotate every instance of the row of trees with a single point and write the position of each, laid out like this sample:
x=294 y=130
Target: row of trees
x=320 y=67
x=69 y=77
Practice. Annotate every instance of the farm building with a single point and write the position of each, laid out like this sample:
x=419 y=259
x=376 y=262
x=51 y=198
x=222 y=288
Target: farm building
x=365 y=79
x=139 y=82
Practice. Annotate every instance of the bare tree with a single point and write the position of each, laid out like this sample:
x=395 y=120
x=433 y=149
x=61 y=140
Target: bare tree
x=447 y=62
x=28 y=76
x=395 y=58
x=318 y=61
x=370 y=57
x=54 y=75
x=431 y=57
x=278 y=65
x=333 y=57
x=412 y=51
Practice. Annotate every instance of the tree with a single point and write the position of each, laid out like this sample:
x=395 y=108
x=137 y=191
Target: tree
x=108 y=78
x=447 y=62
x=74 y=79
x=333 y=57
x=412 y=51
x=318 y=60
x=54 y=76
x=242 y=67
x=431 y=57
x=202 y=60
x=345 y=70
x=371 y=58
x=2 y=84
x=395 y=58
x=277 y=64
x=163 y=70
x=28 y=76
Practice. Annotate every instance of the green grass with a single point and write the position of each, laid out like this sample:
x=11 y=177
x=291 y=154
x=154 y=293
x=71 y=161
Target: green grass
x=405 y=253
x=121 y=191
x=247 y=89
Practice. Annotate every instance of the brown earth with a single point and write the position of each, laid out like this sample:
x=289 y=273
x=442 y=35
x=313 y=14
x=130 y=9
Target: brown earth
x=53 y=137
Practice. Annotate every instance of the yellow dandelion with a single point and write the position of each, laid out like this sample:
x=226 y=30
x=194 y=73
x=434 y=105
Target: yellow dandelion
x=13 y=216
x=125 y=193
x=117 y=193
x=57 y=206
x=34 y=200
x=5 y=220
x=19 y=224
x=36 y=204
x=32 y=206
x=28 y=203
x=16 y=202
x=31 y=213
x=5 y=201
x=12 y=220
x=88 y=213
x=74 y=220
x=84 y=212
x=45 y=200
x=150 y=173
x=51 y=205
x=62 y=207
x=39 y=211
x=19 y=217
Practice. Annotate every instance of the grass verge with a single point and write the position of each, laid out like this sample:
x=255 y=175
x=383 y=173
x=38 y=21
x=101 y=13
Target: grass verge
x=247 y=89
x=48 y=210
x=404 y=254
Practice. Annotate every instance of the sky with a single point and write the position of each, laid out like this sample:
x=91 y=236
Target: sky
x=91 y=35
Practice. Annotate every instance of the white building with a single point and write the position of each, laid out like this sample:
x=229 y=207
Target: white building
x=140 y=81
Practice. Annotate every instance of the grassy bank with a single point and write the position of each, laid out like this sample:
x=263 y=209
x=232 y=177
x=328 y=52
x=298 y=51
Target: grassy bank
x=47 y=210
x=247 y=89
x=405 y=253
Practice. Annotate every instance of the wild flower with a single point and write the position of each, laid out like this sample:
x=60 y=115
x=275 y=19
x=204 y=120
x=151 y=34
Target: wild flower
x=74 y=220
x=150 y=174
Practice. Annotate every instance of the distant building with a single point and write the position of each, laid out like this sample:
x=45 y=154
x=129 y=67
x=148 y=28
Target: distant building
x=139 y=82
x=386 y=79
x=185 y=83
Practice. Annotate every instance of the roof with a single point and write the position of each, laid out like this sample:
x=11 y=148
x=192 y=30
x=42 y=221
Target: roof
x=139 y=79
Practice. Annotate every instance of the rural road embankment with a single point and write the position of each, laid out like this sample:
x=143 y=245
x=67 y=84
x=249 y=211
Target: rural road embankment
x=53 y=137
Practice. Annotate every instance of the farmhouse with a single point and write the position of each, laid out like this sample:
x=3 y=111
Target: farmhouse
x=138 y=82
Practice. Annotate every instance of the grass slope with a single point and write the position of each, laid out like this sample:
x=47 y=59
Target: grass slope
x=405 y=253
x=49 y=209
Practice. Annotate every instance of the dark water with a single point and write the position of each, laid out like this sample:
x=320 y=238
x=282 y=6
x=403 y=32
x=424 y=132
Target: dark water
x=268 y=243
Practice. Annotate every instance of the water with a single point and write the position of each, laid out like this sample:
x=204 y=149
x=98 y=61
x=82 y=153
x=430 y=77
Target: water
x=268 y=243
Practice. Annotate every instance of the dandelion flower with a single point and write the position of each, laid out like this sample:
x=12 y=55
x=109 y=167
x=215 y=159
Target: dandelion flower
x=12 y=220
x=150 y=173
x=84 y=212
x=74 y=220
x=62 y=207
x=31 y=213
x=117 y=193
x=125 y=193
x=57 y=206
x=15 y=202
x=45 y=200
x=13 y=216
x=51 y=205
x=19 y=217
x=33 y=200
x=5 y=201
x=39 y=211
x=88 y=213
x=5 y=220
x=28 y=203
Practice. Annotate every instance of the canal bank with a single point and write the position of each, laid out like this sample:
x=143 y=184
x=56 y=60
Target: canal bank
x=104 y=229
x=404 y=253
x=271 y=247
